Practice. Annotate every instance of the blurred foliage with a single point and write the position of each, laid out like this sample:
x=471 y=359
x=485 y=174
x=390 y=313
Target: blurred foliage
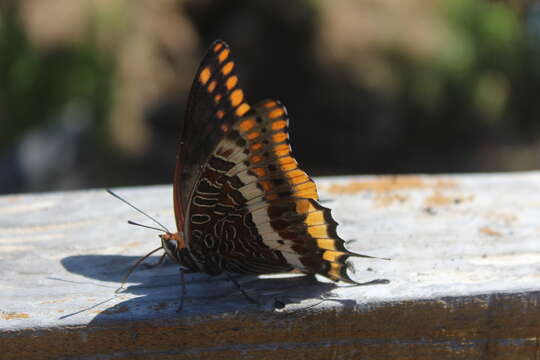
x=36 y=85
x=482 y=79
x=371 y=87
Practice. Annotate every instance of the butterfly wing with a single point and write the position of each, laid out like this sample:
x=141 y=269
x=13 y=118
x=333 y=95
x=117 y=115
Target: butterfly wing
x=248 y=207
x=213 y=104
x=255 y=211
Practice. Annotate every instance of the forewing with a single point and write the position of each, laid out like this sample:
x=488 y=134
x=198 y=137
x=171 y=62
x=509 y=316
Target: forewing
x=214 y=103
x=255 y=211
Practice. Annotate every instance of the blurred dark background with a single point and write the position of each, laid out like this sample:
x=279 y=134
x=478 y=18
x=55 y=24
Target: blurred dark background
x=92 y=92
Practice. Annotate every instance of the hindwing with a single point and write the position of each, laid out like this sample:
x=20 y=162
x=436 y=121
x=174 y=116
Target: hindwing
x=252 y=184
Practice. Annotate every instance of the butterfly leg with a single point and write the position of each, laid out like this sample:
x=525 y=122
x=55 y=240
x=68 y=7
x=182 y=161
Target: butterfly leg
x=159 y=262
x=183 y=286
x=249 y=298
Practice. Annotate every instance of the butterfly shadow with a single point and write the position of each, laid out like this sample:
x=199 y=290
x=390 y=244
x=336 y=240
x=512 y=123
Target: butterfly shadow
x=155 y=291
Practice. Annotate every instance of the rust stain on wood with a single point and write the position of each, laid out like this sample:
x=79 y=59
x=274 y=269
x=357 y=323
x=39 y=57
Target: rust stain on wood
x=486 y=230
x=133 y=244
x=438 y=198
x=390 y=183
x=390 y=199
x=12 y=315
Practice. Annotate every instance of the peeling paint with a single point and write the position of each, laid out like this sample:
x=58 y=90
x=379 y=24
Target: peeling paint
x=390 y=199
x=11 y=316
x=486 y=230
x=390 y=183
x=133 y=244
x=440 y=199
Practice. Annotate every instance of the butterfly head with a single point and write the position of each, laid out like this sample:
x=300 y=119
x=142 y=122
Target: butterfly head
x=172 y=243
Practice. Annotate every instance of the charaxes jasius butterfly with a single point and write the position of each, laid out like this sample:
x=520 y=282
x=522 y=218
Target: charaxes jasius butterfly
x=241 y=203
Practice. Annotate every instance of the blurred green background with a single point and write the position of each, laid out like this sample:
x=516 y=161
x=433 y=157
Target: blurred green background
x=92 y=92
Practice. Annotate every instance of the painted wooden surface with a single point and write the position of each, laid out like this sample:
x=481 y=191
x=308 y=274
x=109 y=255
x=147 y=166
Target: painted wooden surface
x=464 y=278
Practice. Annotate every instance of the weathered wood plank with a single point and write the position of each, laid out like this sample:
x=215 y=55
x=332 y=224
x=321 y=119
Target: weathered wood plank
x=464 y=275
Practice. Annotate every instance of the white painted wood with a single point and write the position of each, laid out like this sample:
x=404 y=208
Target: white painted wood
x=63 y=255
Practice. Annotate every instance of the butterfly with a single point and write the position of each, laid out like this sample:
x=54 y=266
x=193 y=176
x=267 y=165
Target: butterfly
x=241 y=203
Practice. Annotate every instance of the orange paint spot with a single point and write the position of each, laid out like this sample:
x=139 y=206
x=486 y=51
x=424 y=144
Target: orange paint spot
x=270 y=104
x=255 y=147
x=256 y=158
x=279 y=137
x=231 y=82
x=332 y=256
x=220 y=114
x=247 y=125
x=242 y=109
x=315 y=218
x=390 y=183
x=253 y=135
x=204 y=75
x=489 y=231
x=223 y=55
x=276 y=113
x=259 y=171
x=217 y=98
x=218 y=47
x=12 y=315
x=387 y=199
x=328 y=244
x=278 y=125
x=438 y=198
x=212 y=86
x=227 y=68
x=236 y=97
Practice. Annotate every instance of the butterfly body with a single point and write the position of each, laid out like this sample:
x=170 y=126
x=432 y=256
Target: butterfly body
x=242 y=204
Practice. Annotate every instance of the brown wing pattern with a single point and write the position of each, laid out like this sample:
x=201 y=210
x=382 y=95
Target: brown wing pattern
x=254 y=211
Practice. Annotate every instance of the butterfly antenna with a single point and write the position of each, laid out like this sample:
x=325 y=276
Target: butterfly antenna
x=144 y=226
x=128 y=274
x=139 y=210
